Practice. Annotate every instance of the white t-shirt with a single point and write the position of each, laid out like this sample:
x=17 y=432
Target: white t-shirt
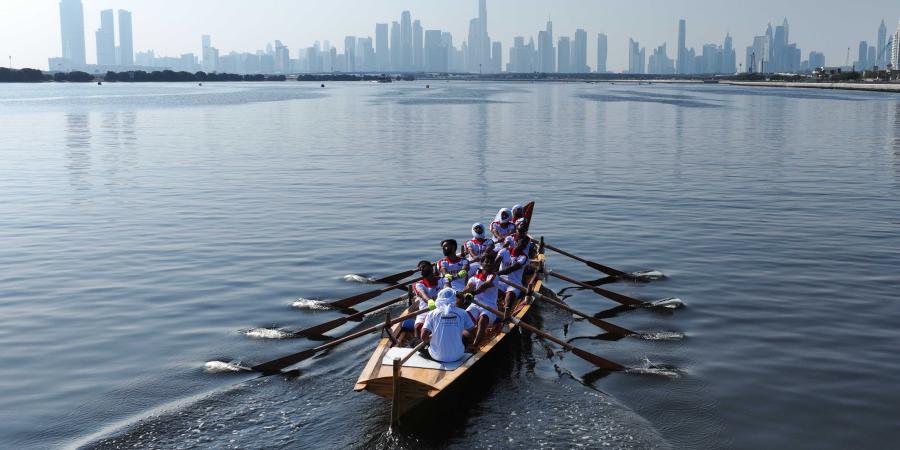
x=507 y=260
x=503 y=230
x=489 y=296
x=475 y=249
x=447 y=267
x=425 y=292
x=446 y=333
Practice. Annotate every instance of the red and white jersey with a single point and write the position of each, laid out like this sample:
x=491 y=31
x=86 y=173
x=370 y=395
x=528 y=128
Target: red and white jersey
x=489 y=296
x=446 y=267
x=427 y=291
x=510 y=257
x=502 y=231
x=476 y=247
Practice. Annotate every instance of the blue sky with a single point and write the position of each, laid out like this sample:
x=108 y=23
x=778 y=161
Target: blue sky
x=29 y=29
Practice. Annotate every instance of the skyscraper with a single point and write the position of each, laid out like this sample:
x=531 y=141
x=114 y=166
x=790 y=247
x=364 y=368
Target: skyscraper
x=601 y=53
x=882 y=52
x=579 y=52
x=406 y=41
x=382 y=54
x=636 y=57
x=396 y=47
x=210 y=54
x=895 y=49
x=435 y=52
x=106 y=39
x=729 y=56
x=418 y=46
x=126 y=39
x=350 y=53
x=564 y=52
x=546 y=52
x=484 y=40
x=862 y=62
x=496 y=57
x=681 y=66
x=71 y=22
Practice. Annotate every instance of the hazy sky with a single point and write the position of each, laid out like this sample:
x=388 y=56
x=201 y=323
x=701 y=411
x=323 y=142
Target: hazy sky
x=29 y=29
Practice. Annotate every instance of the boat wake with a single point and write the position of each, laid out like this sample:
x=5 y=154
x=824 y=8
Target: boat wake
x=354 y=278
x=223 y=367
x=267 y=333
x=648 y=275
x=668 y=303
x=662 y=336
x=315 y=305
x=660 y=370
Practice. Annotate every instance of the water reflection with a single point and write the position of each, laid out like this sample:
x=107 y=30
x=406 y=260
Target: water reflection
x=78 y=143
x=896 y=144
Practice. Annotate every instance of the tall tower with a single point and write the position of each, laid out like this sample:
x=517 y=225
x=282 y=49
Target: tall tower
x=406 y=41
x=601 y=53
x=418 y=46
x=396 y=47
x=882 y=42
x=126 y=39
x=382 y=54
x=484 y=41
x=106 y=39
x=895 y=49
x=71 y=24
x=682 y=51
x=579 y=61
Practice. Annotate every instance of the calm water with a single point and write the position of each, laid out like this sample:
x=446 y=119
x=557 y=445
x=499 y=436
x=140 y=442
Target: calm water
x=146 y=228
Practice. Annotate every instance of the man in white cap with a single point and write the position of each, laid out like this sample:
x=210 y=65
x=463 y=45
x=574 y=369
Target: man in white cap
x=454 y=271
x=483 y=285
x=503 y=225
x=446 y=328
x=513 y=261
x=476 y=248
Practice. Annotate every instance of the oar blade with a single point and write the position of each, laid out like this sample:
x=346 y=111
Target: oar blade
x=275 y=366
x=394 y=279
x=596 y=360
x=355 y=300
x=623 y=299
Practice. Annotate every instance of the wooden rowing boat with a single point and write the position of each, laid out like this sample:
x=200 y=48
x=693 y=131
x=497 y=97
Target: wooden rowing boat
x=409 y=387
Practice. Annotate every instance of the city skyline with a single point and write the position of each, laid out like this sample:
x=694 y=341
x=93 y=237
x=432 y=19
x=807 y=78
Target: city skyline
x=478 y=31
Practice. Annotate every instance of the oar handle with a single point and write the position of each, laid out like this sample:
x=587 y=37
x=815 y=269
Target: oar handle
x=359 y=298
x=330 y=325
x=615 y=296
x=371 y=330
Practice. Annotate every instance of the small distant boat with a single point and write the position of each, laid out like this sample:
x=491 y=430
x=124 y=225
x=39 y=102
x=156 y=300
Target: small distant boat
x=385 y=80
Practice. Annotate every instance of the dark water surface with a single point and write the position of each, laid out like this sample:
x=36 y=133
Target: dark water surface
x=146 y=228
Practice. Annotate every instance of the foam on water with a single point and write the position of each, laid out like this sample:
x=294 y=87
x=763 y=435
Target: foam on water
x=649 y=275
x=222 y=367
x=354 y=278
x=649 y=368
x=668 y=303
x=267 y=333
x=305 y=303
x=662 y=336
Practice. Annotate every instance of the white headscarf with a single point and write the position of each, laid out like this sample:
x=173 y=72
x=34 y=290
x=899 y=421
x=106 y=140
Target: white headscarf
x=500 y=214
x=445 y=299
x=481 y=235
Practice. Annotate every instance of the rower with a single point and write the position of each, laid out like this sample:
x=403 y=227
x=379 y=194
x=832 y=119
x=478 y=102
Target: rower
x=453 y=269
x=513 y=261
x=484 y=287
x=446 y=327
x=425 y=292
x=503 y=226
x=518 y=212
x=476 y=248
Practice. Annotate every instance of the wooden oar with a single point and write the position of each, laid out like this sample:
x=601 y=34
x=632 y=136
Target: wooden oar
x=611 y=328
x=359 y=298
x=275 y=366
x=596 y=266
x=583 y=354
x=319 y=330
x=614 y=296
x=395 y=278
